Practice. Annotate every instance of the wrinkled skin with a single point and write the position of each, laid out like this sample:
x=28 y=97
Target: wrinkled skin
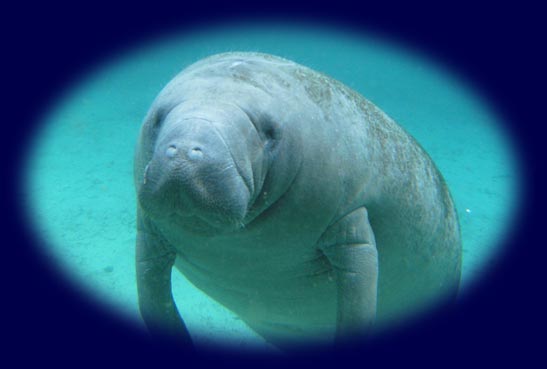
x=291 y=200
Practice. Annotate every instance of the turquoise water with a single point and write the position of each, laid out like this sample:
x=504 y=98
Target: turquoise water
x=80 y=189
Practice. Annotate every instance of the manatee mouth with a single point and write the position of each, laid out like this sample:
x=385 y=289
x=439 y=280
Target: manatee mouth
x=220 y=204
x=194 y=188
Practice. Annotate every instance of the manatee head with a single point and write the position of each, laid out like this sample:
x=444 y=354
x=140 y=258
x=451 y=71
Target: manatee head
x=206 y=165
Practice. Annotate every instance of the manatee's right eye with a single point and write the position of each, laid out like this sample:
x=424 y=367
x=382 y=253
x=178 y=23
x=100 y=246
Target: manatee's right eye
x=157 y=118
x=159 y=115
x=151 y=129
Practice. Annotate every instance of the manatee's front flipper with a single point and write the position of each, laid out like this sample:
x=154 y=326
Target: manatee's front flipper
x=350 y=247
x=154 y=261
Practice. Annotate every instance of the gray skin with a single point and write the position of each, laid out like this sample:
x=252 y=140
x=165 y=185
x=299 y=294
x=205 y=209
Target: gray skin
x=291 y=200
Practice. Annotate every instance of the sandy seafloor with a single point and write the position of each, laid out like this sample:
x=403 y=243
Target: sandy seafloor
x=79 y=174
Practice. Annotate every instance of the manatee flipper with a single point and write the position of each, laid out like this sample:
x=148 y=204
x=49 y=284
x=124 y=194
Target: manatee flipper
x=154 y=261
x=350 y=247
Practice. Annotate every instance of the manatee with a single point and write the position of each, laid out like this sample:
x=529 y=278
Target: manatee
x=291 y=200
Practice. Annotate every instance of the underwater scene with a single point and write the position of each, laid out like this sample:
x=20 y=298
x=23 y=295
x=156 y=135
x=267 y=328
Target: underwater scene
x=80 y=191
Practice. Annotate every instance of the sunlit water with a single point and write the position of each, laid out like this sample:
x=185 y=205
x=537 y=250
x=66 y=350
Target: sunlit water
x=80 y=189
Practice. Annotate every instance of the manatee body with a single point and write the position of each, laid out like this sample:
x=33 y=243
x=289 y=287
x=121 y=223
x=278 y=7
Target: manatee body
x=291 y=200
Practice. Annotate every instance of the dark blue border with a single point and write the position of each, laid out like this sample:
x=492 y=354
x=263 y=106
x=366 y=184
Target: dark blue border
x=496 y=47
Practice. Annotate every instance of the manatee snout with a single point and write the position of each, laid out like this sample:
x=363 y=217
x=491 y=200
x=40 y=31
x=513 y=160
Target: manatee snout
x=193 y=175
x=195 y=153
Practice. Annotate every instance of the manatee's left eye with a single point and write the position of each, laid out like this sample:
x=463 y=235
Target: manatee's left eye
x=271 y=130
x=269 y=133
x=271 y=136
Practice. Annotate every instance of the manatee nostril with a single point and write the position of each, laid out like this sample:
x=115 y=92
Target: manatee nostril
x=195 y=153
x=171 y=151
